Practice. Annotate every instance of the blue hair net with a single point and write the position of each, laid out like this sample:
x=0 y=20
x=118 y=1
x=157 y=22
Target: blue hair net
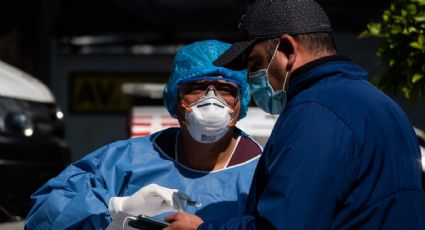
x=195 y=61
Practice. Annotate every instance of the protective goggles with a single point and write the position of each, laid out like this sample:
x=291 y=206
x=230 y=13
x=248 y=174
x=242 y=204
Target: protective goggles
x=227 y=91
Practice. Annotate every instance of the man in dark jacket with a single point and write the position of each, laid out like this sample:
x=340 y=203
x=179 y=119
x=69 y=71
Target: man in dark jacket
x=342 y=155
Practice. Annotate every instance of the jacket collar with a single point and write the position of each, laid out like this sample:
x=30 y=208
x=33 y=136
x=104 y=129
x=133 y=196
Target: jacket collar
x=308 y=74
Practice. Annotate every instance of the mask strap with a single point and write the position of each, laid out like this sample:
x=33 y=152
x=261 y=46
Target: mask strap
x=274 y=54
x=284 y=81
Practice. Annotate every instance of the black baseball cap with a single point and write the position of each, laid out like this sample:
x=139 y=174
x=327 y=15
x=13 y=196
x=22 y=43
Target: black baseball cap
x=266 y=19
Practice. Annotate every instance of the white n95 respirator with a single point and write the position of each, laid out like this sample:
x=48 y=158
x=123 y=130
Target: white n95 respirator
x=209 y=119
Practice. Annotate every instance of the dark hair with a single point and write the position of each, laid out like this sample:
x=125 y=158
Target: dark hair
x=318 y=44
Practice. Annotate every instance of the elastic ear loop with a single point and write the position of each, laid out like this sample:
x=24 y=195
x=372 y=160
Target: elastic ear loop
x=291 y=57
x=284 y=81
x=125 y=221
x=268 y=66
x=274 y=55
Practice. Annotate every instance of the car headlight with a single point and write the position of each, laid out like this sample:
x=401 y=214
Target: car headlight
x=27 y=118
x=13 y=117
x=19 y=123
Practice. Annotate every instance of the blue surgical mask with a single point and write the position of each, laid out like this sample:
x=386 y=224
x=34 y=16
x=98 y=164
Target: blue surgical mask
x=262 y=92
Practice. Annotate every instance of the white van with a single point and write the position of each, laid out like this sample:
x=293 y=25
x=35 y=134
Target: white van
x=32 y=144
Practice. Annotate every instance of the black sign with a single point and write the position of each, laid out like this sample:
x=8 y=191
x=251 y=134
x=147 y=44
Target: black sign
x=102 y=92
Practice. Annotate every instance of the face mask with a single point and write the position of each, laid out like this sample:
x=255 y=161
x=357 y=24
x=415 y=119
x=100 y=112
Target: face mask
x=209 y=119
x=262 y=92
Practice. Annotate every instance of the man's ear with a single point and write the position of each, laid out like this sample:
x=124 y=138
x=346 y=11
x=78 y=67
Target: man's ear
x=288 y=46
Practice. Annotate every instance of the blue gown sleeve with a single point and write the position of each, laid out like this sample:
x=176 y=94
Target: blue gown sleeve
x=76 y=199
x=305 y=169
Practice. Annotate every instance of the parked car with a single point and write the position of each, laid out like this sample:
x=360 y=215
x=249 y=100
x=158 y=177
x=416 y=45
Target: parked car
x=32 y=144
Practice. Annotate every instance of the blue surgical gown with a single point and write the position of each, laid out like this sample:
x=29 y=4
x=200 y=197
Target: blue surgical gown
x=78 y=197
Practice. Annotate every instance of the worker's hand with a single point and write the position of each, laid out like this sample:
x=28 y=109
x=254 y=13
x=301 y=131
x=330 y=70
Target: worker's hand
x=183 y=221
x=150 y=200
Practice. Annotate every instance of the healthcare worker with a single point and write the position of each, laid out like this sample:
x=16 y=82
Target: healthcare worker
x=205 y=167
x=342 y=154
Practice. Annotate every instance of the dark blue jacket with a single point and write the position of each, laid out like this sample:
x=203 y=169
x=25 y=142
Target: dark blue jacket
x=342 y=155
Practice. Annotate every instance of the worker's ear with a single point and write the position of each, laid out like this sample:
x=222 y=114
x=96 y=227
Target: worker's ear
x=236 y=112
x=181 y=107
x=288 y=47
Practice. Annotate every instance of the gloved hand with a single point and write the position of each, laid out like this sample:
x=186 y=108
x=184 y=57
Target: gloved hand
x=150 y=200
